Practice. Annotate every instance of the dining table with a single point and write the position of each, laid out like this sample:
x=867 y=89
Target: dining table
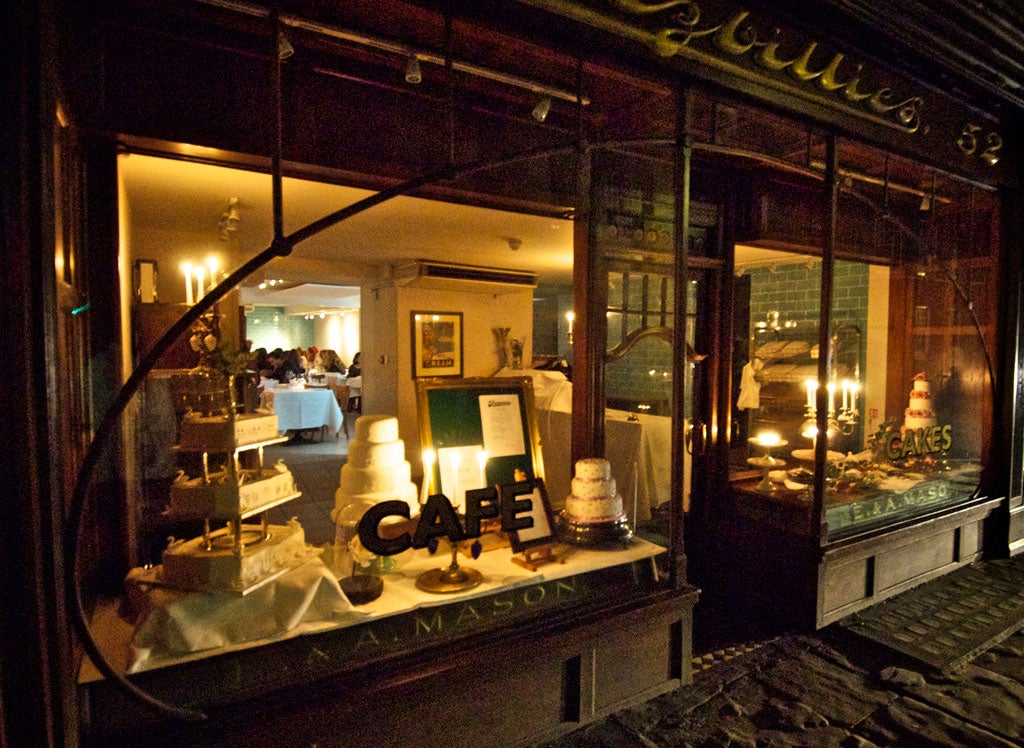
x=303 y=409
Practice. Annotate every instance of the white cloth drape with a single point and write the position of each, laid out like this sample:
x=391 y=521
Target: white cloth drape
x=750 y=388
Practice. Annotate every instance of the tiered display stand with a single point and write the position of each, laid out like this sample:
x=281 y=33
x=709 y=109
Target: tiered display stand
x=238 y=536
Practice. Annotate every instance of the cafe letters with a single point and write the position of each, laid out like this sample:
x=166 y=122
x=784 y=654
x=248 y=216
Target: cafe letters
x=438 y=518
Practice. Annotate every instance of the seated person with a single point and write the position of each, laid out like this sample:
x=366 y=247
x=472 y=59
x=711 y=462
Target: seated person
x=355 y=370
x=328 y=361
x=285 y=365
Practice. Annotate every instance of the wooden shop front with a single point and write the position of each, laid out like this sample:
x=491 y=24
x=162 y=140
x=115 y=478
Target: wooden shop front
x=772 y=237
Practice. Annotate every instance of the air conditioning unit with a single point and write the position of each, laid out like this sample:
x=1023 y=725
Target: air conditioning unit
x=447 y=275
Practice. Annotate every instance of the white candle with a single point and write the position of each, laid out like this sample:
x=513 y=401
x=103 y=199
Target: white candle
x=213 y=264
x=428 y=474
x=186 y=268
x=831 y=398
x=854 y=389
x=455 y=479
x=812 y=388
x=846 y=394
x=481 y=460
x=200 y=275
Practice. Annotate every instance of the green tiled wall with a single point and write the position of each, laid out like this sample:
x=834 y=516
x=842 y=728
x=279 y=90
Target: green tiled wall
x=269 y=327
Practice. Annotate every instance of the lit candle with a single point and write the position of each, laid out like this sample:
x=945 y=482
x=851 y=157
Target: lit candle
x=428 y=474
x=768 y=438
x=481 y=460
x=812 y=388
x=831 y=398
x=200 y=276
x=186 y=268
x=213 y=264
x=846 y=394
x=455 y=478
x=854 y=389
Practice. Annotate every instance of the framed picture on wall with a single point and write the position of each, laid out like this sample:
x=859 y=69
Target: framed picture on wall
x=436 y=344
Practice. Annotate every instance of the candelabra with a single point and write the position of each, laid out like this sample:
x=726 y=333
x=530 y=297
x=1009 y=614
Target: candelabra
x=842 y=420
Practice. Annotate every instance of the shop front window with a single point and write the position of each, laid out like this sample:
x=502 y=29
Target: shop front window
x=907 y=350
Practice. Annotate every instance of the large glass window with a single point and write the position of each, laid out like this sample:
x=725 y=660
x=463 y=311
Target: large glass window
x=907 y=345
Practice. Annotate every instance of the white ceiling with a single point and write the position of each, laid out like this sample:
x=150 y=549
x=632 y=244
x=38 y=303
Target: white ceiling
x=173 y=209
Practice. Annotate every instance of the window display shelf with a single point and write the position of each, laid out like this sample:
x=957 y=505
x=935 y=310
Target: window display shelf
x=851 y=509
x=506 y=585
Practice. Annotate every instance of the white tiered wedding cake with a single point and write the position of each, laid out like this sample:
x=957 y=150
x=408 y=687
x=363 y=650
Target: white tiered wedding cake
x=217 y=563
x=237 y=557
x=376 y=471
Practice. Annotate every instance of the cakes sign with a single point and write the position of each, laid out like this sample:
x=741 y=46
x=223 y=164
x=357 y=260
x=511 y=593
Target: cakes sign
x=438 y=518
x=921 y=435
x=900 y=444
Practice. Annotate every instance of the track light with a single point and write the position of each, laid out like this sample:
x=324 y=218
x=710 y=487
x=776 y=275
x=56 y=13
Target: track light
x=540 y=112
x=412 y=70
x=284 y=47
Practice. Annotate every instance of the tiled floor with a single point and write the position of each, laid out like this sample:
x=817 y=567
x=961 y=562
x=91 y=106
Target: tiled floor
x=316 y=467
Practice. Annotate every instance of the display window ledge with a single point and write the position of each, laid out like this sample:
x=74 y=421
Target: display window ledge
x=402 y=621
x=851 y=514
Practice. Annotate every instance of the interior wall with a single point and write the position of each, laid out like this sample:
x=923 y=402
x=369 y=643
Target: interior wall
x=388 y=384
x=340 y=333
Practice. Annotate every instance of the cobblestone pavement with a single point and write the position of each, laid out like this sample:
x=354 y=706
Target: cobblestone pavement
x=833 y=687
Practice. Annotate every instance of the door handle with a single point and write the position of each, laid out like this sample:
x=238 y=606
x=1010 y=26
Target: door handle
x=696 y=438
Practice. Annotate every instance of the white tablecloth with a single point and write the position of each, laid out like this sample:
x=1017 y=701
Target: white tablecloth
x=303 y=409
x=642 y=445
x=654 y=461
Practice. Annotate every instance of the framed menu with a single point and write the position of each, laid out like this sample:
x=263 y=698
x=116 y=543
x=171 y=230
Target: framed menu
x=481 y=432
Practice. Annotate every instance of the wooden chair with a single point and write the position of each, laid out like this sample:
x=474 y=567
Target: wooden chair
x=341 y=395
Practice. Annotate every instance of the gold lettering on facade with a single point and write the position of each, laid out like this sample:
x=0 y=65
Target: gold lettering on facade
x=432 y=626
x=468 y=613
x=565 y=587
x=969 y=142
x=533 y=595
x=501 y=605
x=737 y=37
x=366 y=639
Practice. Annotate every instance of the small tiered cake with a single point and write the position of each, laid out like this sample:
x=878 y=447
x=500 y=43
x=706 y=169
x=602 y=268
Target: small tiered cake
x=190 y=564
x=376 y=471
x=919 y=414
x=594 y=496
x=221 y=496
x=222 y=434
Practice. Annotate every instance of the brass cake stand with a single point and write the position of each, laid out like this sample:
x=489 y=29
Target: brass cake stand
x=453 y=578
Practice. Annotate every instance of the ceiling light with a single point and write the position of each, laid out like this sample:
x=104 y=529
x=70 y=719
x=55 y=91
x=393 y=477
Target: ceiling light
x=540 y=112
x=412 y=70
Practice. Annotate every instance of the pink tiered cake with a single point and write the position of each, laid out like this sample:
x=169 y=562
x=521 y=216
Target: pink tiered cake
x=593 y=513
x=919 y=414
